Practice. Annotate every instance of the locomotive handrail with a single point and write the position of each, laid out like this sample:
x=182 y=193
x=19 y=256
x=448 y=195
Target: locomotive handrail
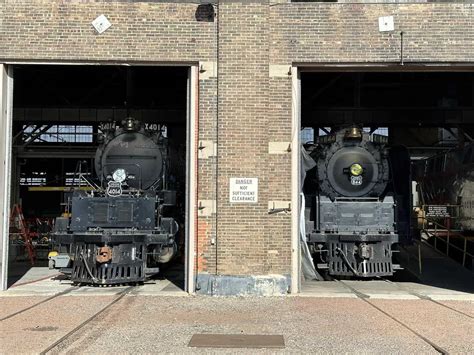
x=464 y=251
x=90 y=183
x=435 y=222
x=448 y=230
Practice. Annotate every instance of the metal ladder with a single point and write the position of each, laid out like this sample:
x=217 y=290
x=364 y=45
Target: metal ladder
x=17 y=221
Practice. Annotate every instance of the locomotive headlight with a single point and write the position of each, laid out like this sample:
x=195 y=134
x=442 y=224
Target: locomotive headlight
x=119 y=175
x=356 y=169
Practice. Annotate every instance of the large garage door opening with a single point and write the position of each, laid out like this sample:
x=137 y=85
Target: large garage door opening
x=389 y=184
x=98 y=185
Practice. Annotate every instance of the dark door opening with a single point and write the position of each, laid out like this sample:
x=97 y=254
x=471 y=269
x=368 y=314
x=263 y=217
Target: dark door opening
x=61 y=117
x=419 y=126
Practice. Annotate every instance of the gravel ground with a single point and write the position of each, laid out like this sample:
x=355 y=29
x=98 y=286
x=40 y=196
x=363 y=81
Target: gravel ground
x=151 y=324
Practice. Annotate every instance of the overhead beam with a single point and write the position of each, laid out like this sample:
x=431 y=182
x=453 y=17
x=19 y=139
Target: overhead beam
x=81 y=115
x=22 y=132
x=35 y=134
x=56 y=152
x=410 y=117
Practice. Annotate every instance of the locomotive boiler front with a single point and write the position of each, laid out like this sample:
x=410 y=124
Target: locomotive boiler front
x=131 y=150
x=349 y=164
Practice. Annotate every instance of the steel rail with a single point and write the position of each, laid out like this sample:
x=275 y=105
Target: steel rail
x=365 y=298
x=62 y=293
x=427 y=298
x=87 y=321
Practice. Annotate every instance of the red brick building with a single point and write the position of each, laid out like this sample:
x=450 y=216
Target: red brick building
x=245 y=59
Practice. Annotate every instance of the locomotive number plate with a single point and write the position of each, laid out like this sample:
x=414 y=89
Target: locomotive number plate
x=356 y=180
x=114 y=189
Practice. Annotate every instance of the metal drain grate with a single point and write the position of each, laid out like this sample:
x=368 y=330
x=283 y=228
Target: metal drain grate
x=237 y=341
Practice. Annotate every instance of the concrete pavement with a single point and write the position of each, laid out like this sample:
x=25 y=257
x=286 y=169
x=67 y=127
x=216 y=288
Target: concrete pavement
x=327 y=317
x=139 y=323
x=146 y=324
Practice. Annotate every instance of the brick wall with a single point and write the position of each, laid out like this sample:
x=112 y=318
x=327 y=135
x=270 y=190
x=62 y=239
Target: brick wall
x=254 y=100
x=333 y=32
x=242 y=147
x=61 y=30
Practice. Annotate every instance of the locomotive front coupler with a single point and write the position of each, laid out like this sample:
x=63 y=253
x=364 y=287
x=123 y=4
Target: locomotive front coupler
x=104 y=254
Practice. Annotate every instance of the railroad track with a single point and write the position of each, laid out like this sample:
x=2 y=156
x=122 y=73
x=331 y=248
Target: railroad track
x=426 y=298
x=366 y=299
x=57 y=343
x=62 y=293
x=411 y=292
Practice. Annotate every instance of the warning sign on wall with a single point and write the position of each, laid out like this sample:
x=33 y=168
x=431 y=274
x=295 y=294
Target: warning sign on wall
x=243 y=190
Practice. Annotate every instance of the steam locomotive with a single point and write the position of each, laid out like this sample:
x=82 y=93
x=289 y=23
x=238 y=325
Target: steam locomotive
x=119 y=232
x=352 y=216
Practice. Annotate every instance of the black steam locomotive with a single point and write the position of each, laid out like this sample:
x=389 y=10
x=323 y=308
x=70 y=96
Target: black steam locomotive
x=118 y=232
x=351 y=219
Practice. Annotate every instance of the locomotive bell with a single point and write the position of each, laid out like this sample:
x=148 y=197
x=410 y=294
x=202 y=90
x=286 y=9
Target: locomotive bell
x=353 y=133
x=130 y=124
